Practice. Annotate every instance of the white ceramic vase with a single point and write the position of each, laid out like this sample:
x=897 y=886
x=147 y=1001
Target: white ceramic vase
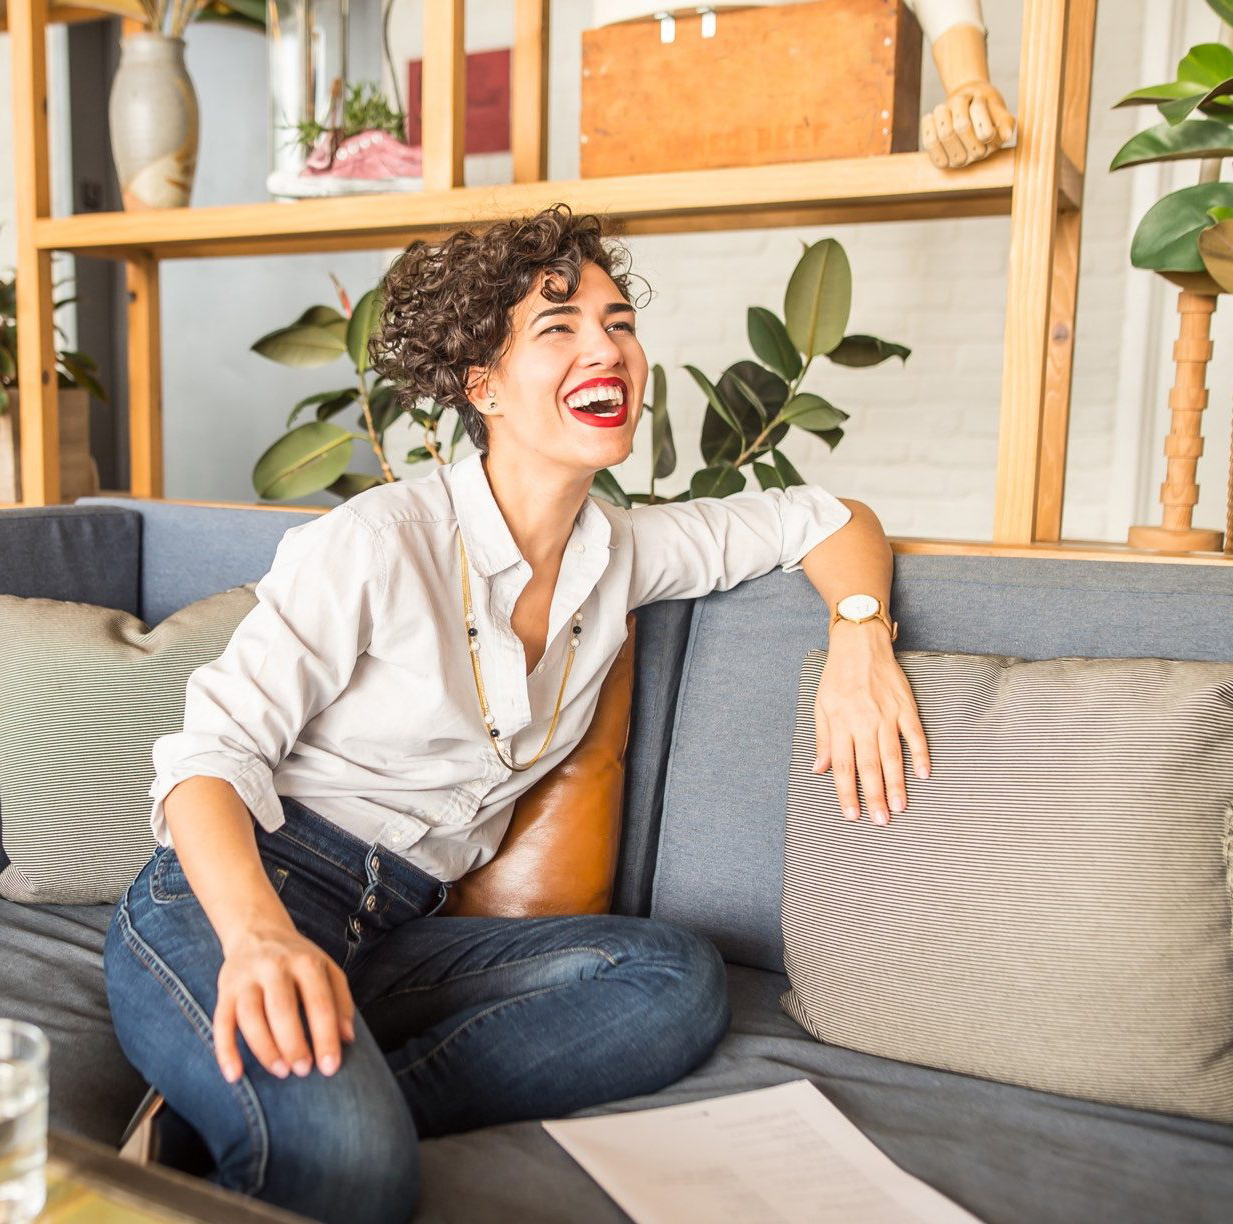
x=153 y=119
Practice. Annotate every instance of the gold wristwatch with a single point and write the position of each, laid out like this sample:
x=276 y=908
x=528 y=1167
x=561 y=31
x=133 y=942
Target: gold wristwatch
x=858 y=608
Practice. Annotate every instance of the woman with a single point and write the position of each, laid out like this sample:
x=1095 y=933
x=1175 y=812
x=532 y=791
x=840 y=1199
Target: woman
x=342 y=762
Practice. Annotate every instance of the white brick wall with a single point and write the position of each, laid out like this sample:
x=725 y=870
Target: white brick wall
x=921 y=443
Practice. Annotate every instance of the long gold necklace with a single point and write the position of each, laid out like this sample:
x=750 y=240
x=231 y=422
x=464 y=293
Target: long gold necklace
x=494 y=733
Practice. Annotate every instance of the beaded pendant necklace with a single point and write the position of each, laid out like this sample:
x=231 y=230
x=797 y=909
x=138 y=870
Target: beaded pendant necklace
x=494 y=733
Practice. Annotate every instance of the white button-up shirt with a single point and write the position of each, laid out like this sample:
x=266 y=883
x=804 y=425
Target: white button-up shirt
x=349 y=687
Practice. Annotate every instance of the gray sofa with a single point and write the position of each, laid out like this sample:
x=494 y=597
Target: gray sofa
x=714 y=703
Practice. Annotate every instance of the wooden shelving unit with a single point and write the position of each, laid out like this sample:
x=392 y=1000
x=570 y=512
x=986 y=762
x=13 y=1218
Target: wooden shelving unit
x=1038 y=183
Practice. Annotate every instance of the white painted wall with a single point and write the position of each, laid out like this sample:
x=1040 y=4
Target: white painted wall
x=921 y=443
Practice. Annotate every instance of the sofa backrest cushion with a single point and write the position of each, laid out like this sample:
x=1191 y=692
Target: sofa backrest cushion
x=719 y=868
x=189 y=551
x=70 y=552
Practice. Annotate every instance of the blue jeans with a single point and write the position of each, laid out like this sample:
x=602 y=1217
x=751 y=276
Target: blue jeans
x=460 y=1022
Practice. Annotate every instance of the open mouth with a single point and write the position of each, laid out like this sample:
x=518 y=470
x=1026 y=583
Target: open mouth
x=604 y=407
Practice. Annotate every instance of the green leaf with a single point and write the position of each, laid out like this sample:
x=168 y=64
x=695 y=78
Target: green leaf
x=8 y=365
x=385 y=408
x=718 y=443
x=1220 y=213
x=418 y=455
x=818 y=299
x=810 y=411
x=717 y=481
x=715 y=400
x=1216 y=251
x=770 y=341
x=787 y=473
x=310 y=458
x=1167 y=237
x=866 y=351
x=351 y=483
x=302 y=345
x=663 y=450
x=1223 y=9
x=4 y=400
x=1206 y=64
x=605 y=485
x=768 y=478
x=460 y=429
x=364 y=320
x=748 y=394
x=79 y=370
x=1176 y=111
x=1166 y=142
x=830 y=436
x=319 y=316
x=342 y=397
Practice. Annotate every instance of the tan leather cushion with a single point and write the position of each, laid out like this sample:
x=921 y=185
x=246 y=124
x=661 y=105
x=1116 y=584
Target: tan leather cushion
x=559 y=853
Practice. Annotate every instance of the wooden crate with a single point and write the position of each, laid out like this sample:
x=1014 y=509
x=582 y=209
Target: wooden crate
x=795 y=82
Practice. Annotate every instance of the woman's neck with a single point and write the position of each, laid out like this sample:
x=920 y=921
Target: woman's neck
x=539 y=507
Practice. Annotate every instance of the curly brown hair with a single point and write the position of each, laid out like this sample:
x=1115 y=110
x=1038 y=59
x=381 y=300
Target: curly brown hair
x=449 y=306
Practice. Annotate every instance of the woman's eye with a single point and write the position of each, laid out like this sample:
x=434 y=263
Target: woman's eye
x=629 y=327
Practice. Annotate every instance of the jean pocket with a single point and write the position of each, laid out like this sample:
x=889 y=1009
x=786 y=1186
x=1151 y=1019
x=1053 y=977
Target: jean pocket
x=168 y=883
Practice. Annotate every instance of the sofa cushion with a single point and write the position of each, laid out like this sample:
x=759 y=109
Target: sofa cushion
x=189 y=551
x=720 y=861
x=1054 y=907
x=87 y=691
x=1009 y=1154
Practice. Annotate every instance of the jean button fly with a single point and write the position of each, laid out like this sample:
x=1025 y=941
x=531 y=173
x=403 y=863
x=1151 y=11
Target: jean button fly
x=376 y=862
x=370 y=902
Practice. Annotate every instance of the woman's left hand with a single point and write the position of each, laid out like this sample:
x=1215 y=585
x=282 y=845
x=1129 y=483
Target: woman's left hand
x=864 y=702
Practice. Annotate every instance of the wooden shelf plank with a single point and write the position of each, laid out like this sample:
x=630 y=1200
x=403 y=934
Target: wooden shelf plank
x=899 y=186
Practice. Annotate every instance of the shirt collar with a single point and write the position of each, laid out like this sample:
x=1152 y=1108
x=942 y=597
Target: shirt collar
x=490 y=546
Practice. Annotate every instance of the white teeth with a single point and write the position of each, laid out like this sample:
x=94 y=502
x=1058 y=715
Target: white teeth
x=593 y=395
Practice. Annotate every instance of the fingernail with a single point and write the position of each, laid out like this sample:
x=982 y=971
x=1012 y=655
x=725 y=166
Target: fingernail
x=280 y=1069
x=231 y=1074
x=817 y=765
x=880 y=817
x=329 y=1064
x=923 y=772
x=303 y=1067
x=349 y=1032
x=851 y=814
x=896 y=804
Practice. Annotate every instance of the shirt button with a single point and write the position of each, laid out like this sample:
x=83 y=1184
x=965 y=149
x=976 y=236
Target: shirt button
x=580 y=547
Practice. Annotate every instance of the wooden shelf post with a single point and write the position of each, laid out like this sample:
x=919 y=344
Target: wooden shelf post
x=36 y=357
x=529 y=92
x=443 y=87
x=1029 y=290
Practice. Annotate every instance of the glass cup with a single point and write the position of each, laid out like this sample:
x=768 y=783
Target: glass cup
x=23 y=1121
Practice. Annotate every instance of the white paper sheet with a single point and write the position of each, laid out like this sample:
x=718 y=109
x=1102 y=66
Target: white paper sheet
x=782 y=1155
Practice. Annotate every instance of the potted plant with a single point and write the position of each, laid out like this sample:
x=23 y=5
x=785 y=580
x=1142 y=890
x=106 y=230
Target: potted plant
x=1187 y=237
x=76 y=376
x=750 y=409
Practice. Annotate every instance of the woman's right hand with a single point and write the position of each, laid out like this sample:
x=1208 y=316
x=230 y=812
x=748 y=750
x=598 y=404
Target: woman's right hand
x=264 y=976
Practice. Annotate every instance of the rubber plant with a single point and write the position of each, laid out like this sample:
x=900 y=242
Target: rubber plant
x=1187 y=236
x=749 y=411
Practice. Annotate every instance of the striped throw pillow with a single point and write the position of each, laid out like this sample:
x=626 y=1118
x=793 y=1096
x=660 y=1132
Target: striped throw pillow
x=1053 y=909
x=84 y=693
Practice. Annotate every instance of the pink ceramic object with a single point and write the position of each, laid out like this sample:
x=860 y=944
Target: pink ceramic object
x=366 y=155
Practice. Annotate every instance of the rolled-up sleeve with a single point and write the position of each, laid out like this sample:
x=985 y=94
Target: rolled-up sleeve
x=288 y=658
x=686 y=549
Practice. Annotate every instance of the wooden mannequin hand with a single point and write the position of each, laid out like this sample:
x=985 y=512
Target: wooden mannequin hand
x=967 y=127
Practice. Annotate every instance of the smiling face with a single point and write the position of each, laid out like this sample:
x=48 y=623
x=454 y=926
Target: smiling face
x=555 y=349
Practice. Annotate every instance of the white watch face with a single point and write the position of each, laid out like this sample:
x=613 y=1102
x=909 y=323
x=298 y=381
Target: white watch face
x=857 y=606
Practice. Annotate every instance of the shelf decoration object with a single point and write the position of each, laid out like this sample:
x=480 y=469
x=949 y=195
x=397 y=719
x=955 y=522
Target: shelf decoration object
x=1187 y=237
x=332 y=130
x=751 y=87
x=152 y=111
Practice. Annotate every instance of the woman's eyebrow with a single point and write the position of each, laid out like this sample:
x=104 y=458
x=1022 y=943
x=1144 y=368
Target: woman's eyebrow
x=611 y=308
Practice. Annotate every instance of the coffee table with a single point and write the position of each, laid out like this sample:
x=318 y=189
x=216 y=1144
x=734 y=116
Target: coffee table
x=89 y=1183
